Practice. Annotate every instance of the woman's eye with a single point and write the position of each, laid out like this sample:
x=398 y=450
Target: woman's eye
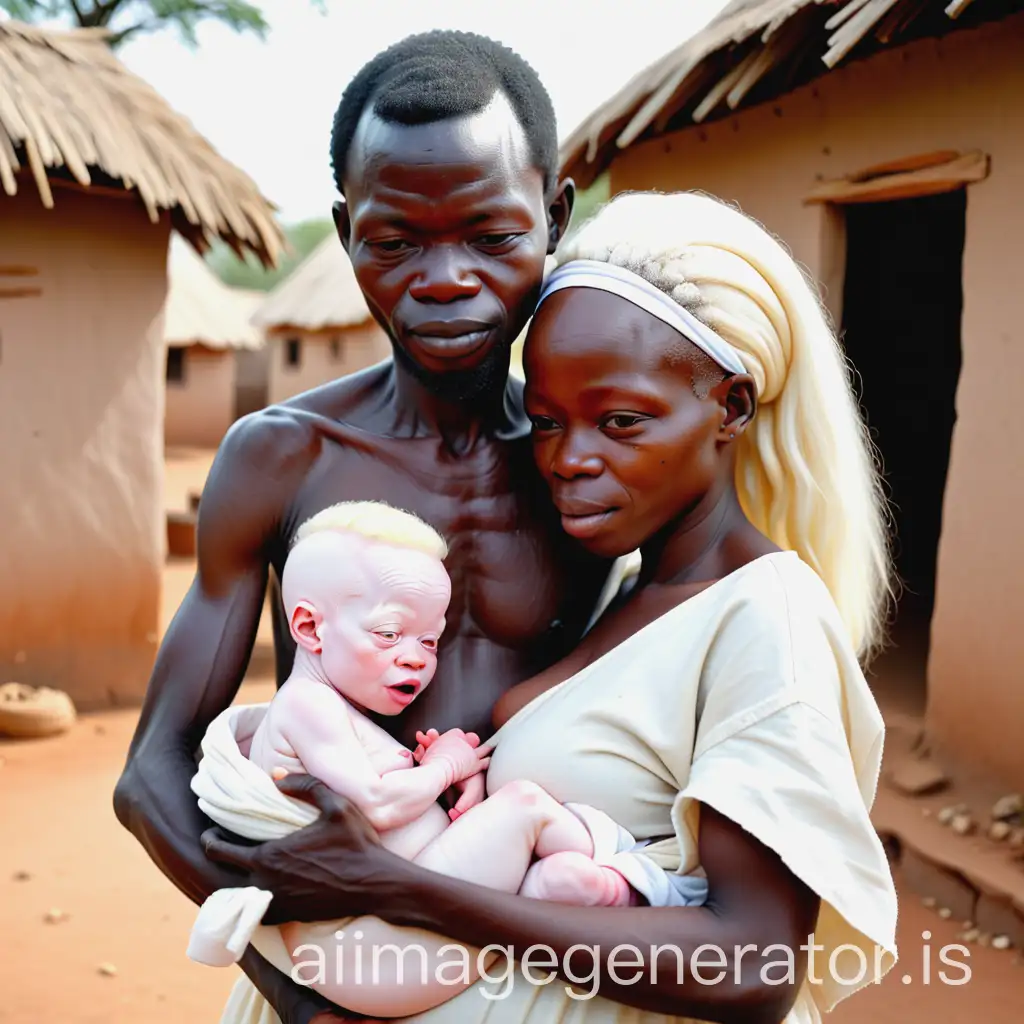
x=623 y=420
x=543 y=423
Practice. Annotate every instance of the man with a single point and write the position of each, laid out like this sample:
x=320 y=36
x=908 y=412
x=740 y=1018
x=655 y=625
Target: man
x=445 y=153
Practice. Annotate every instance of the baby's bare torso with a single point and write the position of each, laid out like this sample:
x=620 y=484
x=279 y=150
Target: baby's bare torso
x=272 y=747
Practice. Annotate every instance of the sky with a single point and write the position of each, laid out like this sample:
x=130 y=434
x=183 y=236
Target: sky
x=268 y=106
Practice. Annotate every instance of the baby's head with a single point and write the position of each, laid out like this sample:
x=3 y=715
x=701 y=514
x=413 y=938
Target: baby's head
x=366 y=592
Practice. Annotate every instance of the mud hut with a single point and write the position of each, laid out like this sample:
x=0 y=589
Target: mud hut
x=317 y=324
x=95 y=170
x=206 y=328
x=884 y=141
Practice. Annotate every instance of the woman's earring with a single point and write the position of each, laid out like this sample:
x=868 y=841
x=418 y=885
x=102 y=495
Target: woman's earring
x=732 y=435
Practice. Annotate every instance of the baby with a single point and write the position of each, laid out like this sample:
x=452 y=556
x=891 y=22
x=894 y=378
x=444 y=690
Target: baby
x=366 y=593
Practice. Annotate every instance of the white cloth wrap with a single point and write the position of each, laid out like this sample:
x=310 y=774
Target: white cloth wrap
x=239 y=796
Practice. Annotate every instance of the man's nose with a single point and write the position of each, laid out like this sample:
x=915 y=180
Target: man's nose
x=446 y=274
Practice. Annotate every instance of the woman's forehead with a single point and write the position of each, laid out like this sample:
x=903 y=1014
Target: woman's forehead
x=595 y=327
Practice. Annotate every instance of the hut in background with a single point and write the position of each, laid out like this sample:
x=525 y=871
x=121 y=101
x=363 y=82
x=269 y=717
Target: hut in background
x=95 y=170
x=206 y=327
x=317 y=324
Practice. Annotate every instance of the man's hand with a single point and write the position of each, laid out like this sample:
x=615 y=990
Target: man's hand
x=333 y=868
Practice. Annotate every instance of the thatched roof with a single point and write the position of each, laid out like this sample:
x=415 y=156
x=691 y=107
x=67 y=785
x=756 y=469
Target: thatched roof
x=201 y=309
x=755 y=50
x=71 y=112
x=320 y=294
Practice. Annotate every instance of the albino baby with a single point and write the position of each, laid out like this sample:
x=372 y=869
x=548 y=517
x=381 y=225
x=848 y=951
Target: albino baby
x=366 y=593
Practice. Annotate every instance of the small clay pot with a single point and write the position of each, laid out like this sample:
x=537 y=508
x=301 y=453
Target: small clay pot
x=31 y=712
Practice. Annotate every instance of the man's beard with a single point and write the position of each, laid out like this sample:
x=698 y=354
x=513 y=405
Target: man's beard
x=462 y=386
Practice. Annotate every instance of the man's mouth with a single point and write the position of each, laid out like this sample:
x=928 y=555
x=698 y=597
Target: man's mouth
x=452 y=339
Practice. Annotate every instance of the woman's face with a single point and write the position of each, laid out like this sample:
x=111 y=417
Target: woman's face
x=620 y=435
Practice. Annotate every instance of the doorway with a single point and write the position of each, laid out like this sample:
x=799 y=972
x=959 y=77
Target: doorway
x=902 y=304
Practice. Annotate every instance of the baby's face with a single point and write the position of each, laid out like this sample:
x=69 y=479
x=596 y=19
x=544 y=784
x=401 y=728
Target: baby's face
x=379 y=646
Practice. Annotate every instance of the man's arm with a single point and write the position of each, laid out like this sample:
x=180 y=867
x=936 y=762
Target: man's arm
x=201 y=663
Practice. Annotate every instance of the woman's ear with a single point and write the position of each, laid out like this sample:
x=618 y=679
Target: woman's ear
x=739 y=401
x=305 y=627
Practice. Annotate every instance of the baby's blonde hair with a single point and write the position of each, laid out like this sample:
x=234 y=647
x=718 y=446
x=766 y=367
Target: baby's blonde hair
x=376 y=520
x=806 y=472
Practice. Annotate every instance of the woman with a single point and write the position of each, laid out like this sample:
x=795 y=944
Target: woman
x=688 y=399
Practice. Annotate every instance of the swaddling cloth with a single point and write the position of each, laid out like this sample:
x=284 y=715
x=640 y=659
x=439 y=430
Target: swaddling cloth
x=239 y=796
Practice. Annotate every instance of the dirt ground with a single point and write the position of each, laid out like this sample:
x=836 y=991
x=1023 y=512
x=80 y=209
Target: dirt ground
x=116 y=953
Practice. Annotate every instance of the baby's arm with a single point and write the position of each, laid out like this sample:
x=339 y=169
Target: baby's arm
x=318 y=728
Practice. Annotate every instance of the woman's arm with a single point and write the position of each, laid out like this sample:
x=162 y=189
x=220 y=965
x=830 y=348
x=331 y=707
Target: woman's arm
x=756 y=911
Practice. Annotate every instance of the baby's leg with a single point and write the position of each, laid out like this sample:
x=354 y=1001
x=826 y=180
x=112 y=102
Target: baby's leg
x=493 y=843
x=579 y=881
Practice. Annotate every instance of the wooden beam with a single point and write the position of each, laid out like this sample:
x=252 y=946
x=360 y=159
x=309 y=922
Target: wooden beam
x=725 y=85
x=18 y=271
x=845 y=13
x=20 y=293
x=957 y=7
x=843 y=41
x=928 y=180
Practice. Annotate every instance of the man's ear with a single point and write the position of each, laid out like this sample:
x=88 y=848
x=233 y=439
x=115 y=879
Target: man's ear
x=342 y=224
x=560 y=212
x=305 y=627
x=738 y=398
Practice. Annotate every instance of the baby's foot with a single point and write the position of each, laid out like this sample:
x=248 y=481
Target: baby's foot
x=575 y=879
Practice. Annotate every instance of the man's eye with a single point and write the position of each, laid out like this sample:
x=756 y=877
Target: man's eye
x=497 y=239
x=389 y=245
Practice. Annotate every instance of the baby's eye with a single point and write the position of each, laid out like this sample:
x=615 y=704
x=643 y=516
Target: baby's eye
x=387 y=635
x=430 y=643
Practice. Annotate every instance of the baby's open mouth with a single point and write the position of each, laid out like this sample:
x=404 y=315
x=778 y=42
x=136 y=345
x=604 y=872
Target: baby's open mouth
x=405 y=688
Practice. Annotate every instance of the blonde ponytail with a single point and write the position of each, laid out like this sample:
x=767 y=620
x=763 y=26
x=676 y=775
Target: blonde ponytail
x=806 y=473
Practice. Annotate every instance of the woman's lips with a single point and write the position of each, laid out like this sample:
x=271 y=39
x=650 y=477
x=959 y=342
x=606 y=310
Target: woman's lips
x=586 y=524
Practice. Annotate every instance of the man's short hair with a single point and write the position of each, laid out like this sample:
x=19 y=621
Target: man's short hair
x=438 y=75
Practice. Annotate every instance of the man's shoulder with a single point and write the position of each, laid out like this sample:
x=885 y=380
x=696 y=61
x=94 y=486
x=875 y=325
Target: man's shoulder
x=266 y=438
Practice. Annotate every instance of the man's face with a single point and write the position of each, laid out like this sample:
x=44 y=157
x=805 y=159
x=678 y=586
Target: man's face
x=447 y=228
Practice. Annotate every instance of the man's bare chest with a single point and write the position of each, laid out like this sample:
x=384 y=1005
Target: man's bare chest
x=512 y=569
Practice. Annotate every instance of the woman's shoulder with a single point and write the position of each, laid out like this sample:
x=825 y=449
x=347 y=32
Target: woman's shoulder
x=777 y=629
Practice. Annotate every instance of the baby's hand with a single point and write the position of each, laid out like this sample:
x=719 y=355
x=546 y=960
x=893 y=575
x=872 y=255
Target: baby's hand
x=472 y=791
x=425 y=739
x=459 y=751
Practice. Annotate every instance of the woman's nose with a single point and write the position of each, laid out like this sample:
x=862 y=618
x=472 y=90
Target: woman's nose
x=574 y=459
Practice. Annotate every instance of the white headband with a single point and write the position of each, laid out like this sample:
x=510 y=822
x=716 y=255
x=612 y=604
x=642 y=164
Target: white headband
x=633 y=288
